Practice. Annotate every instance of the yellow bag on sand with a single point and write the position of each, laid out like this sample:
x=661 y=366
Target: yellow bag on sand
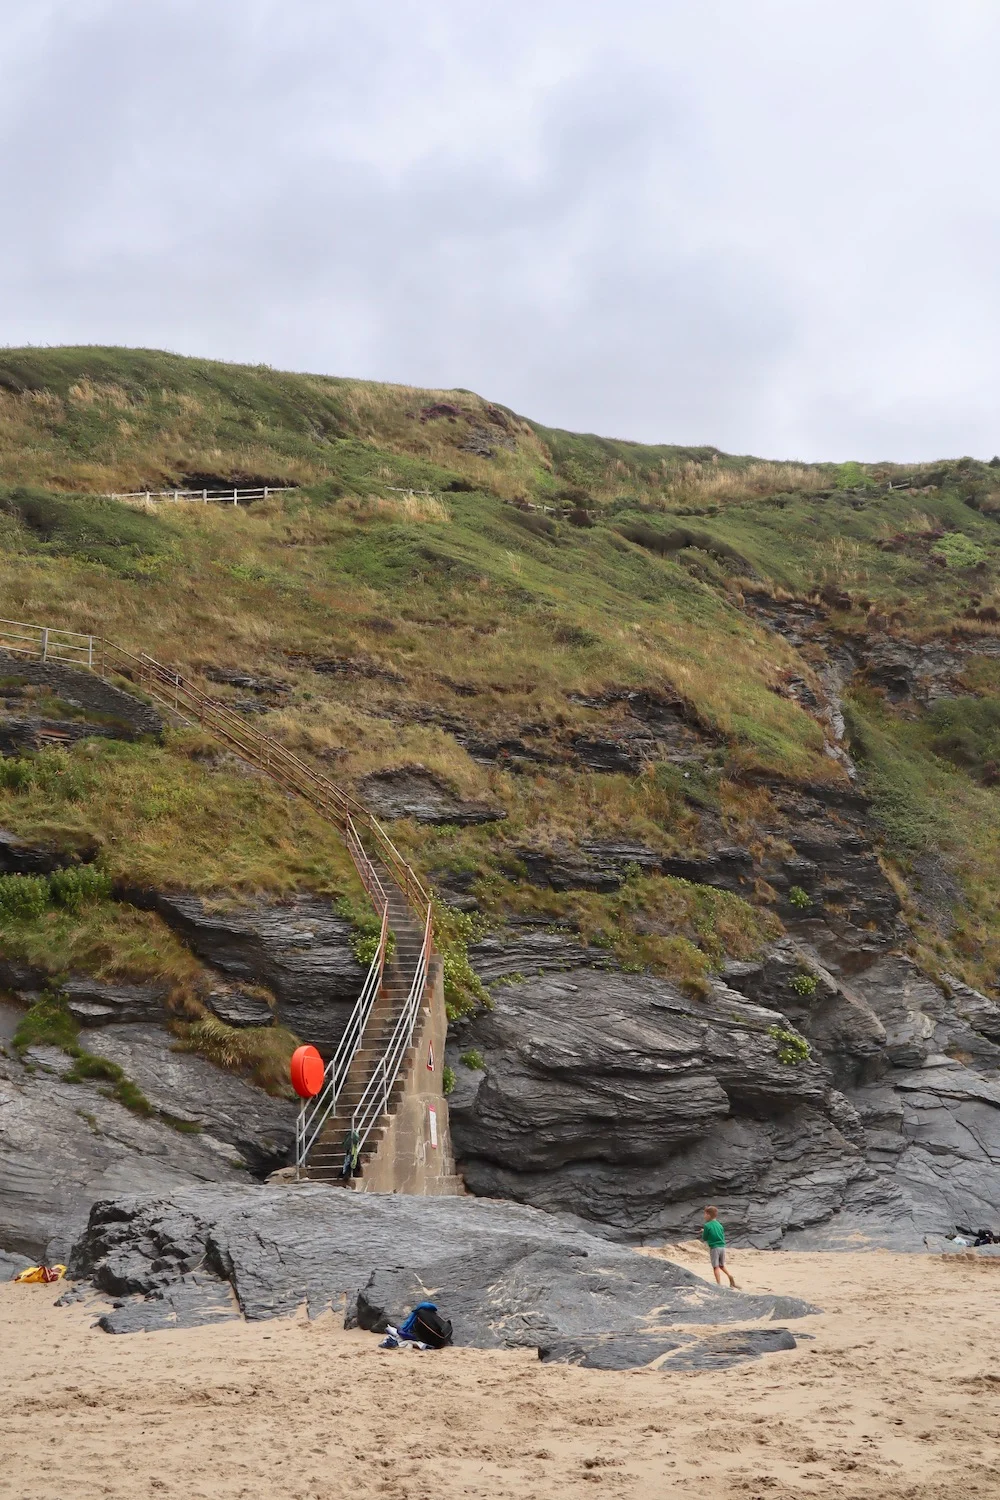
x=41 y=1273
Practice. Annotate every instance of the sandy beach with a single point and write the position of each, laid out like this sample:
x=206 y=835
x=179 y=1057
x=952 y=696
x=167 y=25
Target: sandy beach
x=895 y=1394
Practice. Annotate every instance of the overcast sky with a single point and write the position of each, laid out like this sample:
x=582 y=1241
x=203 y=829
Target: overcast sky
x=773 y=225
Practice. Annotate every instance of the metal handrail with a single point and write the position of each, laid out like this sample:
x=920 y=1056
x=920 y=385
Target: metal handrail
x=281 y=763
x=286 y=768
x=374 y=1102
x=46 y=643
x=314 y=1113
x=182 y=697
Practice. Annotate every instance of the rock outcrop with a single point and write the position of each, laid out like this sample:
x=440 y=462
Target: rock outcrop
x=616 y=1098
x=504 y=1274
x=299 y=950
x=91 y=1003
x=20 y=856
x=414 y=792
x=63 y=1145
x=89 y=706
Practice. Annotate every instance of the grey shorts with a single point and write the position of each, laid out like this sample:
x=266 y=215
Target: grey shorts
x=718 y=1254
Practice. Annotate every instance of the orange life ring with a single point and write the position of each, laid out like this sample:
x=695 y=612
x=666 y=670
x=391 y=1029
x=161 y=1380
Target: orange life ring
x=307 y=1072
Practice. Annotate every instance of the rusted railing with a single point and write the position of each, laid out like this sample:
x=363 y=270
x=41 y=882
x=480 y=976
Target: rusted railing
x=182 y=697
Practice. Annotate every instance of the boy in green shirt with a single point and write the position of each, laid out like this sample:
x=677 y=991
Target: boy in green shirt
x=715 y=1238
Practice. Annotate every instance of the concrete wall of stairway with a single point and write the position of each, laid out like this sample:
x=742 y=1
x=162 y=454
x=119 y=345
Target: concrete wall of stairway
x=407 y=1160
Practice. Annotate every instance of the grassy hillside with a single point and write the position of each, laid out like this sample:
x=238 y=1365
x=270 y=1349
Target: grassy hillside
x=530 y=574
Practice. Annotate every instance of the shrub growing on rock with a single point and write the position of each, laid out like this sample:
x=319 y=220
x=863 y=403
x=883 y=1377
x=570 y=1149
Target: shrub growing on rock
x=791 y=1048
x=23 y=896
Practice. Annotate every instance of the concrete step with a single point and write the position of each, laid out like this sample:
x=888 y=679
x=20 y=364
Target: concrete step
x=333 y=1161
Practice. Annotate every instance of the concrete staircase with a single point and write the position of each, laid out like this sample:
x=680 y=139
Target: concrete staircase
x=387 y=1077
x=326 y=1158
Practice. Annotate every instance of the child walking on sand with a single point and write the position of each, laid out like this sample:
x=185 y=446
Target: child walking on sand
x=715 y=1238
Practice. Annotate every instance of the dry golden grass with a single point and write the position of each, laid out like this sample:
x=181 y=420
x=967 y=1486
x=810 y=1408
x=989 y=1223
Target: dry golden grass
x=165 y=820
x=88 y=393
x=114 y=943
x=396 y=507
x=263 y=1053
x=700 y=484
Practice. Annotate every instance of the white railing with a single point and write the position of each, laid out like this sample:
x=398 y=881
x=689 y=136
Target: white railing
x=231 y=497
x=46 y=644
x=374 y=1102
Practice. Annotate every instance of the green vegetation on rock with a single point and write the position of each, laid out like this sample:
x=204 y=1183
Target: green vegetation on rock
x=448 y=575
x=791 y=1048
x=49 y=1024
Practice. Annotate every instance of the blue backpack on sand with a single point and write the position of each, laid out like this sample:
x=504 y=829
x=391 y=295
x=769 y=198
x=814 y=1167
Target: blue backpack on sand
x=425 y=1325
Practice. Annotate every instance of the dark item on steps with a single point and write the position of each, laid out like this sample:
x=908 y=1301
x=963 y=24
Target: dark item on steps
x=352 y=1155
x=425 y=1325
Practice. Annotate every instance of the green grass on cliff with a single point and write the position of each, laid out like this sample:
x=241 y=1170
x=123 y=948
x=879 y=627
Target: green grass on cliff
x=935 y=815
x=176 y=816
x=455 y=612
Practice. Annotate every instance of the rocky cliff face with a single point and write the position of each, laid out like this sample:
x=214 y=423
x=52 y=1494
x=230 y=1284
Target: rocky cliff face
x=45 y=703
x=617 y=1098
x=64 y=1144
x=825 y=1090
x=298 y=949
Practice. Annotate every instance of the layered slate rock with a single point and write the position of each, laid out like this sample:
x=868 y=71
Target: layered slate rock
x=918 y=1063
x=626 y=1351
x=195 y=1094
x=19 y=856
x=616 y=1098
x=91 y=1003
x=594 y=865
x=415 y=792
x=519 y=949
x=936 y=1135
x=299 y=949
x=12 y=1264
x=100 y=707
x=63 y=1145
x=504 y=1274
x=240 y=1006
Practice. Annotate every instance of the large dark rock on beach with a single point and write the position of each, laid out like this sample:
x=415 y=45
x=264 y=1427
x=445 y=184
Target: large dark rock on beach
x=504 y=1274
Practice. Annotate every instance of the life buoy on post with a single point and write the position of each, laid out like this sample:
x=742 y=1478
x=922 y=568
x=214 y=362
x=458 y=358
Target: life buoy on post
x=307 y=1072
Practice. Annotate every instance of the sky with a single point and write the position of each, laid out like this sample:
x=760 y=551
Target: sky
x=772 y=225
